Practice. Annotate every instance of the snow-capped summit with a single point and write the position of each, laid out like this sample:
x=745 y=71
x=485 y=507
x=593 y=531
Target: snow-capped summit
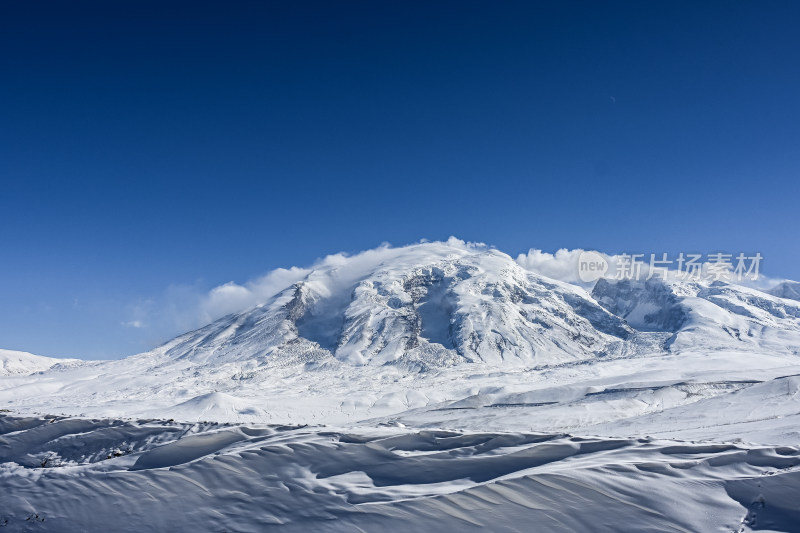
x=430 y=304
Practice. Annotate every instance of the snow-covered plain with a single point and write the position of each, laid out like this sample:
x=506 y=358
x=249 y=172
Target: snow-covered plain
x=433 y=385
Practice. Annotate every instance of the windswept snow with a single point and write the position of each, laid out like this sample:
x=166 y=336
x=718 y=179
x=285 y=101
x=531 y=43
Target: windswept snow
x=139 y=475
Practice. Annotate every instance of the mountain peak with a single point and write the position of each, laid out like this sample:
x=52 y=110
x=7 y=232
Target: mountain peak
x=786 y=289
x=430 y=304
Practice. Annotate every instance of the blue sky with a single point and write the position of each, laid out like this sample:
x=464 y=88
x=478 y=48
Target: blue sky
x=150 y=151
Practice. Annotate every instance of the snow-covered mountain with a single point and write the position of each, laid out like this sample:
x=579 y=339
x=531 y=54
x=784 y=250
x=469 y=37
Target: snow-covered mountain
x=441 y=382
x=431 y=305
x=711 y=316
x=22 y=363
x=430 y=325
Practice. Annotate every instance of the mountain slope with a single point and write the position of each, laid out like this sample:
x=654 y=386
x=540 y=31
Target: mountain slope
x=787 y=289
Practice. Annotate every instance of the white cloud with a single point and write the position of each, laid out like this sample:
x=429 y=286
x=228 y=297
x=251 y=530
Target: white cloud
x=563 y=265
x=185 y=307
x=232 y=297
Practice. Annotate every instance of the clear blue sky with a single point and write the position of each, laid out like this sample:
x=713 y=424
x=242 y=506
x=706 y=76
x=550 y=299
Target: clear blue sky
x=147 y=145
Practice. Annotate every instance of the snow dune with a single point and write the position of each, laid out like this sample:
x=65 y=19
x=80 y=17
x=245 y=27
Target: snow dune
x=210 y=477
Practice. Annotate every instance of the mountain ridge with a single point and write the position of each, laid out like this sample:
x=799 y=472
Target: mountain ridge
x=440 y=328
